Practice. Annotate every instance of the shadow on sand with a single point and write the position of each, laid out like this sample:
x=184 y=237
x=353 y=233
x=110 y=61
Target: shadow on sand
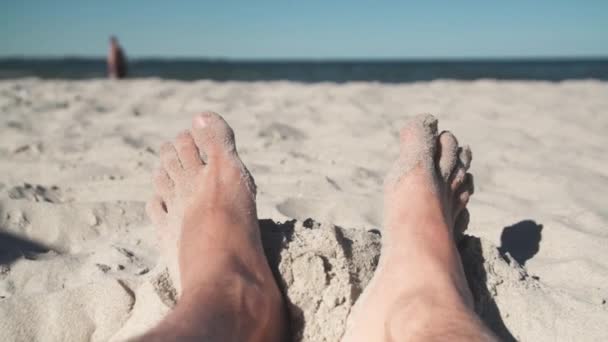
x=13 y=247
x=471 y=253
x=273 y=236
x=521 y=240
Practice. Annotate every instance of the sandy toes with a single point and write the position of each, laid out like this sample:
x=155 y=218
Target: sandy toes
x=431 y=163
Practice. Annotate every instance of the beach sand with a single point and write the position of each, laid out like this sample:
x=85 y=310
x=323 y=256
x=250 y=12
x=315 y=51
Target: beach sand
x=79 y=259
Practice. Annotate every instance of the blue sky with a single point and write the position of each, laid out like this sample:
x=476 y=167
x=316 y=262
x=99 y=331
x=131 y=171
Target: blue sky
x=306 y=29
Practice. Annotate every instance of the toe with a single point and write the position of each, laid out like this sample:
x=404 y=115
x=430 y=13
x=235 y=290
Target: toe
x=169 y=160
x=163 y=184
x=458 y=177
x=465 y=156
x=187 y=152
x=156 y=210
x=212 y=135
x=463 y=194
x=469 y=183
x=461 y=201
x=447 y=154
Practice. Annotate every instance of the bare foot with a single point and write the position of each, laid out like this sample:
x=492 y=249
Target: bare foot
x=420 y=282
x=206 y=215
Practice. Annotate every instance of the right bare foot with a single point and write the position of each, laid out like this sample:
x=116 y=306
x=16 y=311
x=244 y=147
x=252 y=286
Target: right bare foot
x=206 y=214
x=420 y=281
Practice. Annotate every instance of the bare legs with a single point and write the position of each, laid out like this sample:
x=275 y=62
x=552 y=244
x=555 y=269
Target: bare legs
x=206 y=214
x=419 y=291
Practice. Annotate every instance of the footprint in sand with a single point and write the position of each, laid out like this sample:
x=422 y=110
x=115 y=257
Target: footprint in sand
x=280 y=132
x=35 y=193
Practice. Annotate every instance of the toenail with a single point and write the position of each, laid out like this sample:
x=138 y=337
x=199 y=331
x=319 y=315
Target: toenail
x=464 y=197
x=201 y=120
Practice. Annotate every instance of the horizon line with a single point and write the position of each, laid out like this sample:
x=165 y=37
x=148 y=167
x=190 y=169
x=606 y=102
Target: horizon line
x=316 y=59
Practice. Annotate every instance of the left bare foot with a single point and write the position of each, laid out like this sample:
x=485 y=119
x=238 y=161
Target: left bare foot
x=206 y=214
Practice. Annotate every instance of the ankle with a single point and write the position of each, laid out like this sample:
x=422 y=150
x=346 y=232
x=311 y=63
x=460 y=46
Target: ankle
x=415 y=270
x=412 y=317
x=221 y=275
x=248 y=308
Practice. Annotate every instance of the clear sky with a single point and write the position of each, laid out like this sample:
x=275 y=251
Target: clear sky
x=306 y=29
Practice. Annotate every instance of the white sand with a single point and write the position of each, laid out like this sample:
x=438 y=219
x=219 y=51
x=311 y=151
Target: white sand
x=86 y=150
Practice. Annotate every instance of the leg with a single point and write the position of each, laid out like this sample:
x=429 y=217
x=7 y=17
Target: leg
x=206 y=214
x=419 y=291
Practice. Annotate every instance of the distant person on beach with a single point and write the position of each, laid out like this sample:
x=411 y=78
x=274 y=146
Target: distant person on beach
x=205 y=209
x=117 y=62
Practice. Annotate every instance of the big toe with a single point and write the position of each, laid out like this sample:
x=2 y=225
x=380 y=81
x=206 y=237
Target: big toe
x=421 y=129
x=213 y=136
x=418 y=138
